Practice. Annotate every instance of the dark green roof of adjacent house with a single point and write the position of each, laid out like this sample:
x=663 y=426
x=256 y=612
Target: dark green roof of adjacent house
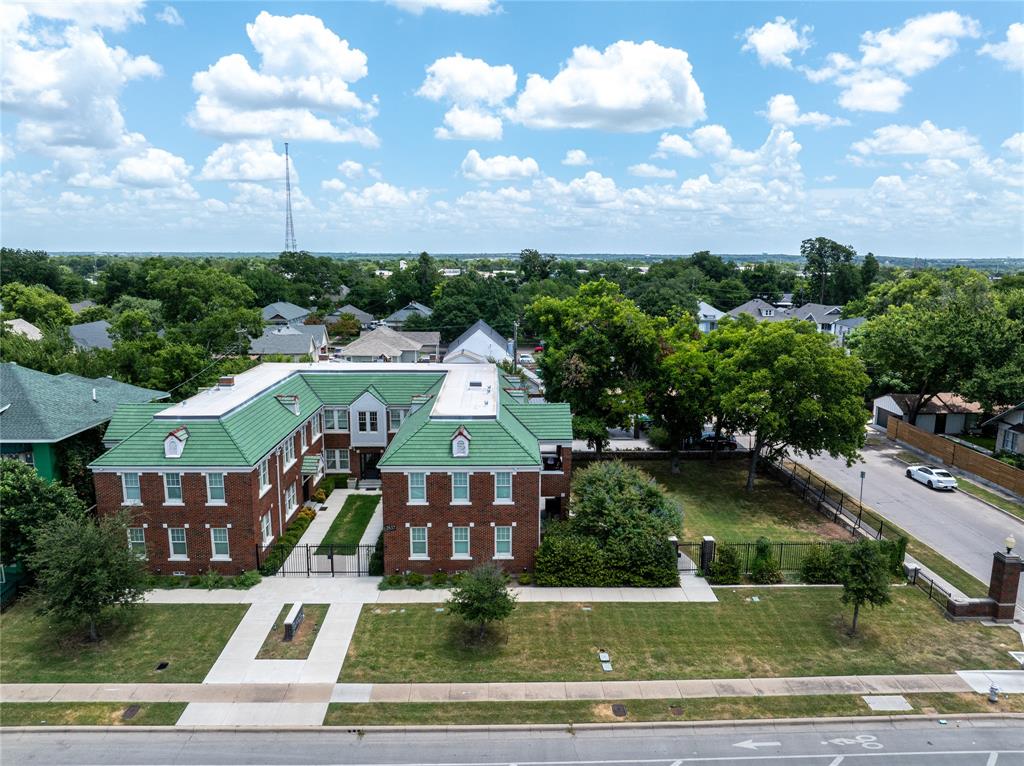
x=38 y=407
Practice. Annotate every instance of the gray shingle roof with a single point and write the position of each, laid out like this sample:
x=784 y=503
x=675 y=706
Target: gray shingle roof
x=757 y=308
x=91 y=334
x=81 y=306
x=382 y=341
x=408 y=310
x=282 y=340
x=821 y=313
x=289 y=312
x=37 y=407
x=359 y=314
x=478 y=326
x=707 y=312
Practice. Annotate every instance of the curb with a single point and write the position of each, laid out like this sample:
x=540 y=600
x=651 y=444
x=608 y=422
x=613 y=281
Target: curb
x=567 y=728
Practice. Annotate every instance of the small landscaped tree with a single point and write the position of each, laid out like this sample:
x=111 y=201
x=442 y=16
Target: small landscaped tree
x=481 y=597
x=85 y=569
x=865 y=578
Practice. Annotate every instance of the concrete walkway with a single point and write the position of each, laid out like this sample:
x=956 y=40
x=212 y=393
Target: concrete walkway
x=277 y=694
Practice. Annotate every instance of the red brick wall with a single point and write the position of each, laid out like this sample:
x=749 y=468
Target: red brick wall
x=481 y=512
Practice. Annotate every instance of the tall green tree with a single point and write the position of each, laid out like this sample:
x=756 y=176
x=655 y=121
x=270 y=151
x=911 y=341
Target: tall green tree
x=600 y=351
x=791 y=388
x=535 y=267
x=865 y=578
x=28 y=502
x=36 y=304
x=823 y=258
x=481 y=597
x=85 y=570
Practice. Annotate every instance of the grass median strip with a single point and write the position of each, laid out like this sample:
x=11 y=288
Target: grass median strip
x=589 y=711
x=350 y=523
x=276 y=648
x=1017 y=509
x=188 y=637
x=89 y=713
x=786 y=632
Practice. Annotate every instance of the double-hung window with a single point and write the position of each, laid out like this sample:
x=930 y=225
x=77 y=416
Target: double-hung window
x=289 y=450
x=179 y=548
x=132 y=492
x=219 y=543
x=397 y=417
x=265 y=528
x=460 y=542
x=417 y=487
x=315 y=425
x=264 y=476
x=417 y=542
x=503 y=486
x=302 y=432
x=337 y=418
x=503 y=542
x=172 y=487
x=368 y=421
x=137 y=541
x=215 y=488
x=337 y=459
x=460 y=487
x=289 y=498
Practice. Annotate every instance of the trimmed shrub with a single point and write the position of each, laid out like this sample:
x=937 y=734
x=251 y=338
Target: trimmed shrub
x=894 y=552
x=525 y=578
x=824 y=565
x=376 y=565
x=658 y=437
x=726 y=569
x=394 y=581
x=279 y=552
x=566 y=560
x=765 y=570
x=211 y=579
x=319 y=496
x=414 y=579
x=246 y=580
x=439 y=579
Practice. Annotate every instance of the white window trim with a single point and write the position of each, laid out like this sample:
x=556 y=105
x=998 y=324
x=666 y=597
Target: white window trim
x=170 y=545
x=411 y=501
x=264 y=488
x=510 y=500
x=503 y=556
x=303 y=439
x=267 y=539
x=124 y=488
x=284 y=452
x=468 y=555
x=425 y=556
x=317 y=427
x=223 y=486
x=214 y=556
x=467 y=500
x=294 y=500
x=181 y=489
x=145 y=552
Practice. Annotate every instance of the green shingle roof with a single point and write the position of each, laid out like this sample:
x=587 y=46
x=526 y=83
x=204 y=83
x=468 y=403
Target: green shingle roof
x=394 y=388
x=310 y=465
x=38 y=407
x=129 y=418
x=549 y=421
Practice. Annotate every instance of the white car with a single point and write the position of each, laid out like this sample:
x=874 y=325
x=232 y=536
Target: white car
x=935 y=478
x=525 y=359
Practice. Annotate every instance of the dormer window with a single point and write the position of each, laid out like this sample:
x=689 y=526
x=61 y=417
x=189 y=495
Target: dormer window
x=290 y=401
x=769 y=312
x=174 y=442
x=460 y=443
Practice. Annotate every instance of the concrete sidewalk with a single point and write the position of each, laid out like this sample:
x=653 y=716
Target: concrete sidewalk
x=253 y=693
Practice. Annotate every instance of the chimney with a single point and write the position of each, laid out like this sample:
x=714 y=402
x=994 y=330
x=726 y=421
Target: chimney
x=94 y=394
x=226 y=381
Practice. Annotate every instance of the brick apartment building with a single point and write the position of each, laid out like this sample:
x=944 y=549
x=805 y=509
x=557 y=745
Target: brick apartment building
x=467 y=467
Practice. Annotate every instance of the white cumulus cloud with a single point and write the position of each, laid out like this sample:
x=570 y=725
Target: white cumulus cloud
x=924 y=139
x=466 y=7
x=475 y=89
x=498 y=167
x=576 y=158
x=646 y=170
x=1011 y=51
x=672 y=144
x=773 y=41
x=299 y=91
x=251 y=160
x=154 y=168
x=470 y=124
x=1014 y=143
x=783 y=109
x=628 y=87
x=169 y=15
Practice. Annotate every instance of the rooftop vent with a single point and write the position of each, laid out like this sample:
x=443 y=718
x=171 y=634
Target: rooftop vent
x=226 y=381
x=476 y=384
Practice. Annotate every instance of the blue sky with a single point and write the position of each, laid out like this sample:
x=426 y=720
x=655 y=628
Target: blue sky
x=473 y=126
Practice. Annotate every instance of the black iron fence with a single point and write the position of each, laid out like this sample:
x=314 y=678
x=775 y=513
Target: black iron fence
x=326 y=561
x=932 y=589
x=788 y=555
x=689 y=557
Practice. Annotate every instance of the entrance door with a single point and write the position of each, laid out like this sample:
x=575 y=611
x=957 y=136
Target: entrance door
x=368 y=465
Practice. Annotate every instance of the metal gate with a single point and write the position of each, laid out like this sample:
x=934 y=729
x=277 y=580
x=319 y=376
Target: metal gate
x=327 y=561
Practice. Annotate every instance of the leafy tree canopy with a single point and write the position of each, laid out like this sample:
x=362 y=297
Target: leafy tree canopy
x=36 y=304
x=28 y=502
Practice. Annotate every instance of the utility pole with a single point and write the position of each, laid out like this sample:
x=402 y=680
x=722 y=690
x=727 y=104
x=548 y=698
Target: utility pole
x=515 y=345
x=289 y=226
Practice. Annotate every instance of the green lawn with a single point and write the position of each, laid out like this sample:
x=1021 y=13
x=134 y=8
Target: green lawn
x=89 y=713
x=187 y=636
x=789 y=632
x=276 y=648
x=988 y=442
x=350 y=523
x=715 y=502
x=590 y=711
x=1017 y=509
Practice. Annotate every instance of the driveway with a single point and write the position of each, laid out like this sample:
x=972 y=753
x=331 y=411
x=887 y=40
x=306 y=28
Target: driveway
x=961 y=528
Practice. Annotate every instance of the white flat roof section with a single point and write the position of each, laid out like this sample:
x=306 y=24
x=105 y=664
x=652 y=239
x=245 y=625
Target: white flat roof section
x=462 y=400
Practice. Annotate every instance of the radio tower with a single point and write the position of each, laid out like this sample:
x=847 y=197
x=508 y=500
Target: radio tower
x=289 y=226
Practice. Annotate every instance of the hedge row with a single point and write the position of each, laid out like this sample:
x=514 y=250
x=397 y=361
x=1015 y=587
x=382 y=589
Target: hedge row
x=569 y=560
x=286 y=542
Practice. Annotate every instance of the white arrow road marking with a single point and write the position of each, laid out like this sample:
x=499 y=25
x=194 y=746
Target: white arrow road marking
x=837 y=761
x=749 y=744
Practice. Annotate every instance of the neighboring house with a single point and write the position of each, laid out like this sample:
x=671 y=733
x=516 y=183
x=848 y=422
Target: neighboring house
x=467 y=468
x=447 y=273
x=386 y=345
x=785 y=302
x=413 y=308
x=480 y=343
x=26 y=329
x=761 y=310
x=91 y=334
x=823 y=316
x=283 y=312
x=81 y=306
x=295 y=341
x=340 y=294
x=943 y=414
x=38 y=411
x=366 y=320
x=1010 y=433
x=843 y=327
x=708 y=316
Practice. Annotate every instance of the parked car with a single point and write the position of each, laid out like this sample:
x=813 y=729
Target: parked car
x=538 y=349
x=935 y=478
x=525 y=359
x=707 y=441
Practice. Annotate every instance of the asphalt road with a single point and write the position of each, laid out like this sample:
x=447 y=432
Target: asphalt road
x=905 y=743
x=961 y=528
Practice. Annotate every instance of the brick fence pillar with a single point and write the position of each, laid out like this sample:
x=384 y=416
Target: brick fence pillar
x=707 y=553
x=1002 y=589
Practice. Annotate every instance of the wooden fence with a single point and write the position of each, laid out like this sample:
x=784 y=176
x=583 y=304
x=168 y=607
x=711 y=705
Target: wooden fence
x=964 y=458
